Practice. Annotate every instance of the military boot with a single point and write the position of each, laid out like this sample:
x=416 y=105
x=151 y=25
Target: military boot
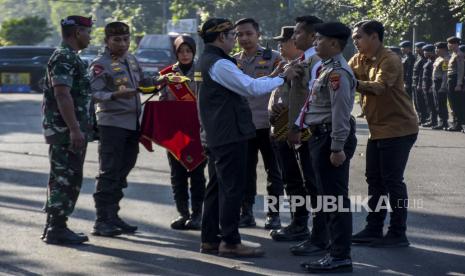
x=104 y=226
x=118 y=222
x=195 y=221
x=58 y=233
x=247 y=219
x=183 y=209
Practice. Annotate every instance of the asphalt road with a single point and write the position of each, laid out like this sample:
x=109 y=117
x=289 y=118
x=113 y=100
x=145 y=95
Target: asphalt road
x=436 y=225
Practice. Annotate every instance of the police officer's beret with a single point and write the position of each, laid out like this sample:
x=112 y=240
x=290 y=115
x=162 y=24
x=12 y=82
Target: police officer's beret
x=286 y=33
x=333 y=30
x=462 y=48
x=405 y=44
x=76 y=20
x=453 y=40
x=116 y=28
x=441 y=45
x=428 y=48
x=420 y=44
x=395 y=49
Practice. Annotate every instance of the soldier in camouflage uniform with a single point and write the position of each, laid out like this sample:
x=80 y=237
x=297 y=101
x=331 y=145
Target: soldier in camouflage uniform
x=67 y=127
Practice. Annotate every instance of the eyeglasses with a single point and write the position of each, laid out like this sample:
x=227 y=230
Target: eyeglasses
x=233 y=33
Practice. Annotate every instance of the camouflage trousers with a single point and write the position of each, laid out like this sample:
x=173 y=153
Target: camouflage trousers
x=65 y=180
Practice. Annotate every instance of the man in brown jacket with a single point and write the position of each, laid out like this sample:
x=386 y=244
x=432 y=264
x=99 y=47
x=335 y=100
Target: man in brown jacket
x=393 y=129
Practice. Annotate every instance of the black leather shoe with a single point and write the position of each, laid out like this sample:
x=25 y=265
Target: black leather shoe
x=272 y=222
x=247 y=220
x=428 y=124
x=455 y=128
x=329 y=264
x=391 y=240
x=126 y=228
x=106 y=229
x=306 y=248
x=179 y=223
x=367 y=236
x=292 y=232
x=63 y=235
x=194 y=223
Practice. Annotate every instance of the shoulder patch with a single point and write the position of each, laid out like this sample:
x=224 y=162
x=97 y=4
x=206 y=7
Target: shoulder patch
x=334 y=81
x=97 y=69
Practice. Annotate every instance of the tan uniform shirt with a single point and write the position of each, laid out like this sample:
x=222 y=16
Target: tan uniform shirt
x=257 y=67
x=456 y=66
x=388 y=108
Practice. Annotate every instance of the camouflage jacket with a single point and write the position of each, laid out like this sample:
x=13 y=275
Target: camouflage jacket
x=66 y=68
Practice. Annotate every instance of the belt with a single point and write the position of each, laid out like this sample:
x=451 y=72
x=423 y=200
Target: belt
x=320 y=128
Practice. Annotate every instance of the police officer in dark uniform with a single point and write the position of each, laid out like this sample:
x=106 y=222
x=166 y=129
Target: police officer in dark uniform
x=333 y=141
x=408 y=60
x=427 y=85
x=419 y=97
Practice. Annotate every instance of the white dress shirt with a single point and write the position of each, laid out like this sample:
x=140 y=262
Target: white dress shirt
x=227 y=74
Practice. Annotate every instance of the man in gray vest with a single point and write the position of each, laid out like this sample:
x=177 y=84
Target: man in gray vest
x=256 y=61
x=333 y=141
x=226 y=122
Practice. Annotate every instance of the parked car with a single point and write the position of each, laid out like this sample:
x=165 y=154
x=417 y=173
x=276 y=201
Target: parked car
x=89 y=54
x=153 y=60
x=22 y=68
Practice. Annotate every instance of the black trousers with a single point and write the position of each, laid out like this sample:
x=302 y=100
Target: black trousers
x=180 y=182
x=295 y=185
x=420 y=104
x=456 y=100
x=386 y=160
x=118 y=150
x=440 y=99
x=225 y=192
x=335 y=182
x=432 y=108
x=274 y=186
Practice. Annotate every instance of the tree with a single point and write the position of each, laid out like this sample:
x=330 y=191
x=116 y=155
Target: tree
x=24 y=31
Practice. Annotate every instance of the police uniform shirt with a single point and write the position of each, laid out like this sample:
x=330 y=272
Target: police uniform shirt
x=108 y=75
x=456 y=66
x=427 y=81
x=332 y=99
x=440 y=73
x=256 y=66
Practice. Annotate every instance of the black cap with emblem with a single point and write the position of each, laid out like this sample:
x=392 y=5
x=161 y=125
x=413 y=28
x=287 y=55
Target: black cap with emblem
x=334 y=30
x=116 y=28
x=286 y=33
x=441 y=45
x=405 y=44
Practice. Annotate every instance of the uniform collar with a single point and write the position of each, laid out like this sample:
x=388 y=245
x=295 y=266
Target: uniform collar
x=114 y=58
x=331 y=60
x=259 y=53
x=309 y=53
x=67 y=46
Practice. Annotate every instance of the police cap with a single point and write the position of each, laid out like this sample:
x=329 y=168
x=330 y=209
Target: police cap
x=420 y=44
x=286 y=33
x=405 y=44
x=453 y=40
x=116 y=28
x=429 y=48
x=333 y=30
x=441 y=45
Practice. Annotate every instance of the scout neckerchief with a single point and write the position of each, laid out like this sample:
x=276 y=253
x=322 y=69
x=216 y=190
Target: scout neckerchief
x=181 y=91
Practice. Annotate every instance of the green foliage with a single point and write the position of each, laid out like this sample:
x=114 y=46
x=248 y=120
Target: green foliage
x=24 y=31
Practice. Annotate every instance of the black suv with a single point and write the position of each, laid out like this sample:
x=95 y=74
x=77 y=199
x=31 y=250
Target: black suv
x=22 y=68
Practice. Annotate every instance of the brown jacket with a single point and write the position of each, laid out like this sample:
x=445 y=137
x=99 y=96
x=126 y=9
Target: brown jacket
x=388 y=109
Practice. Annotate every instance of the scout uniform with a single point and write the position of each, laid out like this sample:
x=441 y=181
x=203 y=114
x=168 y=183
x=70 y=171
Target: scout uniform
x=440 y=86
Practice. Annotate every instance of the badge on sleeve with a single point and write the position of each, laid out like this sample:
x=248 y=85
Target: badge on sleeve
x=97 y=69
x=334 y=81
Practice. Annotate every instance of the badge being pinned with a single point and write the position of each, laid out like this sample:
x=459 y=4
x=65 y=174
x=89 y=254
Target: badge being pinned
x=334 y=81
x=97 y=69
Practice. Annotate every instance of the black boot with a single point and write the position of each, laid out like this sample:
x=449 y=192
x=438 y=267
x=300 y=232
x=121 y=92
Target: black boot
x=272 y=221
x=296 y=231
x=195 y=221
x=118 y=222
x=58 y=233
x=247 y=219
x=104 y=225
x=183 y=209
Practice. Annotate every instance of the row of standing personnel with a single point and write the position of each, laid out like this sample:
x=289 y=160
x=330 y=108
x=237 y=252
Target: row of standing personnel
x=434 y=78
